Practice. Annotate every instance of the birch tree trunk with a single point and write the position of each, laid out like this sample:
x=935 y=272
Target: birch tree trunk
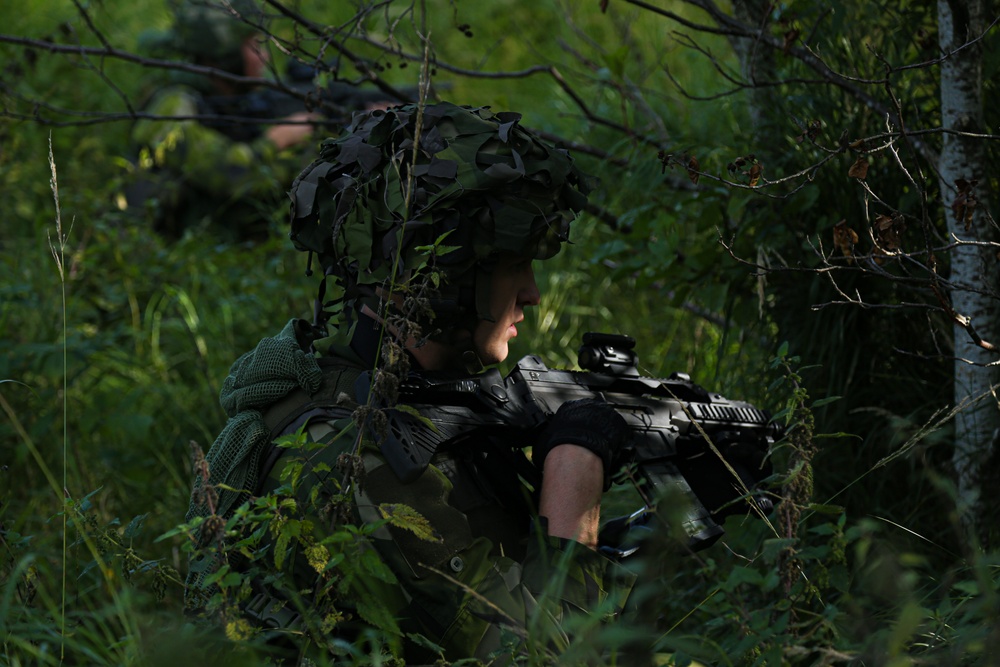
x=972 y=268
x=756 y=65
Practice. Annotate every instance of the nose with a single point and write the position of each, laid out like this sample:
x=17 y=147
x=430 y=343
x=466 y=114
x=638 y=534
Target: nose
x=529 y=294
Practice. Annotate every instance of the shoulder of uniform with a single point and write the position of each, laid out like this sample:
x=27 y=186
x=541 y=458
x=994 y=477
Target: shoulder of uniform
x=176 y=100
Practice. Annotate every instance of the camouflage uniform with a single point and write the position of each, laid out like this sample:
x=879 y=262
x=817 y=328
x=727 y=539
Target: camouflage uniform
x=482 y=517
x=191 y=173
x=192 y=176
x=489 y=572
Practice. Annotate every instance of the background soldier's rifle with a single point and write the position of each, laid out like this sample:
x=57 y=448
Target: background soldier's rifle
x=300 y=91
x=697 y=444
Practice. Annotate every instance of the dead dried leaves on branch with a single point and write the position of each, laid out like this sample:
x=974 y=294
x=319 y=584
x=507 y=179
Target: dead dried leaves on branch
x=744 y=169
x=859 y=169
x=965 y=202
x=687 y=161
x=887 y=230
x=844 y=240
x=748 y=168
x=887 y=235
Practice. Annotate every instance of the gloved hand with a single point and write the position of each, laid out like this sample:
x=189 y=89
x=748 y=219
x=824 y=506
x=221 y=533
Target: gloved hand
x=589 y=423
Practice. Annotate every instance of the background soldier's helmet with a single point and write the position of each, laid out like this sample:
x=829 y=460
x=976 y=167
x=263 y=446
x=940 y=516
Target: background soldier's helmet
x=209 y=31
x=372 y=204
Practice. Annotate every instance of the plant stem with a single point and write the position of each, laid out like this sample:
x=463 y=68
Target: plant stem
x=59 y=254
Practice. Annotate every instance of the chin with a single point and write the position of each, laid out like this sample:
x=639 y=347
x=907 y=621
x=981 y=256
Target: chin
x=492 y=356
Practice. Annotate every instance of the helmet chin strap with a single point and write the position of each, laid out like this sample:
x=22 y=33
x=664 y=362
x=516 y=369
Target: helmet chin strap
x=473 y=364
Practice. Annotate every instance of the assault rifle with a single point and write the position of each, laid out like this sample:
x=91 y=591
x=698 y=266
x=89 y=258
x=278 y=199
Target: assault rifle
x=697 y=444
x=335 y=101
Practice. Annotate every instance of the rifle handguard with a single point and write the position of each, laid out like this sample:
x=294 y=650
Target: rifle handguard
x=588 y=423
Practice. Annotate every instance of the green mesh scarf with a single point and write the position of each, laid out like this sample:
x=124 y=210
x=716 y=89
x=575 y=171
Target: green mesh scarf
x=260 y=377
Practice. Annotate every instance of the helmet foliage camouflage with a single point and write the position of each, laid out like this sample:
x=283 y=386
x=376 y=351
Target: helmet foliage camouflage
x=213 y=30
x=491 y=186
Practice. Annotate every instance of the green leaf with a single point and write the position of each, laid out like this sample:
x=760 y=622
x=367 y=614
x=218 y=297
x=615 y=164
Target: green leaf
x=291 y=472
x=216 y=576
x=426 y=643
x=288 y=530
x=825 y=509
x=969 y=587
x=413 y=412
x=437 y=244
x=333 y=562
x=909 y=621
x=377 y=614
x=819 y=552
x=184 y=528
x=290 y=440
x=823 y=401
x=774 y=547
x=231 y=580
x=134 y=527
x=407 y=518
x=742 y=575
x=372 y=564
x=281 y=549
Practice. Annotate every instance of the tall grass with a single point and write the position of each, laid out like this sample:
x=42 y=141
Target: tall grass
x=111 y=365
x=59 y=255
x=135 y=366
x=95 y=590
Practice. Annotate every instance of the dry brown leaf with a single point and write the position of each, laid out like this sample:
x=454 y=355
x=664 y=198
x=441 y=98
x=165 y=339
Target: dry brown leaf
x=693 y=168
x=889 y=231
x=859 y=169
x=965 y=202
x=845 y=238
x=810 y=132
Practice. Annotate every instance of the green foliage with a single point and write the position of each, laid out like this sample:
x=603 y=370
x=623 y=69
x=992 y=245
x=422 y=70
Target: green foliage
x=857 y=566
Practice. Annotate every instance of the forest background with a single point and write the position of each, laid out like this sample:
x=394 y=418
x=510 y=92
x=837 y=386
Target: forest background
x=795 y=207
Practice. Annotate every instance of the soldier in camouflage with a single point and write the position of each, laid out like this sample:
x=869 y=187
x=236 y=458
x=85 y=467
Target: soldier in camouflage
x=193 y=172
x=426 y=221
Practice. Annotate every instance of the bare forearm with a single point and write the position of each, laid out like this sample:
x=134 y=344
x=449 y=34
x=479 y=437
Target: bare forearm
x=571 y=493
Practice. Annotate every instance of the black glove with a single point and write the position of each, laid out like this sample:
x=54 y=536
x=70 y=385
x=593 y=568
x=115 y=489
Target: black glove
x=589 y=423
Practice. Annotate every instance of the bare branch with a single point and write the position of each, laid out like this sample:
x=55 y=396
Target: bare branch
x=107 y=45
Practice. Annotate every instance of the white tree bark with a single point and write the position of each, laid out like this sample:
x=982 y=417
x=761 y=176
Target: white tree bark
x=973 y=268
x=756 y=63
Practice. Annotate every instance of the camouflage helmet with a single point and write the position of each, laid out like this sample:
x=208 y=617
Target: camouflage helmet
x=477 y=178
x=212 y=31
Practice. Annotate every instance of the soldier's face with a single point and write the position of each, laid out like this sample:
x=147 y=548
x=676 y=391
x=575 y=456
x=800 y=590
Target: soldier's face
x=255 y=57
x=512 y=289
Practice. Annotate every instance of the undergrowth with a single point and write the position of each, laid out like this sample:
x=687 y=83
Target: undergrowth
x=104 y=391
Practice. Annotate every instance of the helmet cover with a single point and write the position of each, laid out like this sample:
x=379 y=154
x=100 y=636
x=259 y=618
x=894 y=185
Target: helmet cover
x=212 y=30
x=371 y=203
